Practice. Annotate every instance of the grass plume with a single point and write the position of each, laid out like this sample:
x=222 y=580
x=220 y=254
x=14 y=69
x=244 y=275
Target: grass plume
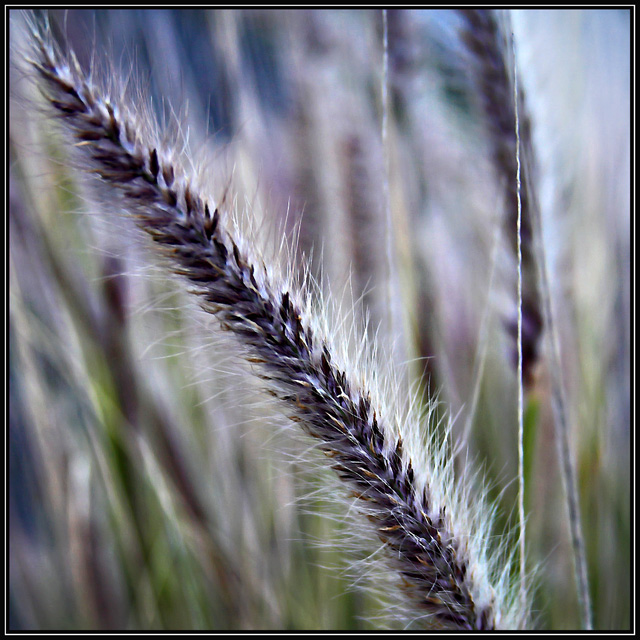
x=433 y=539
x=489 y=49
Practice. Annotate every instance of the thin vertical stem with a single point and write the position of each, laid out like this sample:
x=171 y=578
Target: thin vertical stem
x=559 y=406
x=521 y=514
x=385 y=181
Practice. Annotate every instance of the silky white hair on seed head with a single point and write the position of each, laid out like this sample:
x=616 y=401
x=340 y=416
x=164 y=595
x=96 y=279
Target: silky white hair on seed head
x=434 y=531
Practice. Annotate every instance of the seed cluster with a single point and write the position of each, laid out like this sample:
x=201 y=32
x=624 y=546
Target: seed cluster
x=484 y=40
x=292 y=356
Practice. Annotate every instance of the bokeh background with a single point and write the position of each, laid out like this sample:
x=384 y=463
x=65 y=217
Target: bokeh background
x=152 y=483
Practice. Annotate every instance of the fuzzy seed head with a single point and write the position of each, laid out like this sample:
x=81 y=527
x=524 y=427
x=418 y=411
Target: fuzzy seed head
x=434 y=532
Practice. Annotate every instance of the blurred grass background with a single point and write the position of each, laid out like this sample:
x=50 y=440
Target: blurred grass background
x=152 y=483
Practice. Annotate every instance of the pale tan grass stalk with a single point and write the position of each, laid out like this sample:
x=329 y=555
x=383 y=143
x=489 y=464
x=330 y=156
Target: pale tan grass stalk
x=391 y=272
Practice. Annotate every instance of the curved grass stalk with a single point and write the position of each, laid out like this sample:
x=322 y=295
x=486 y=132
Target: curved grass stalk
x=436 y=534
